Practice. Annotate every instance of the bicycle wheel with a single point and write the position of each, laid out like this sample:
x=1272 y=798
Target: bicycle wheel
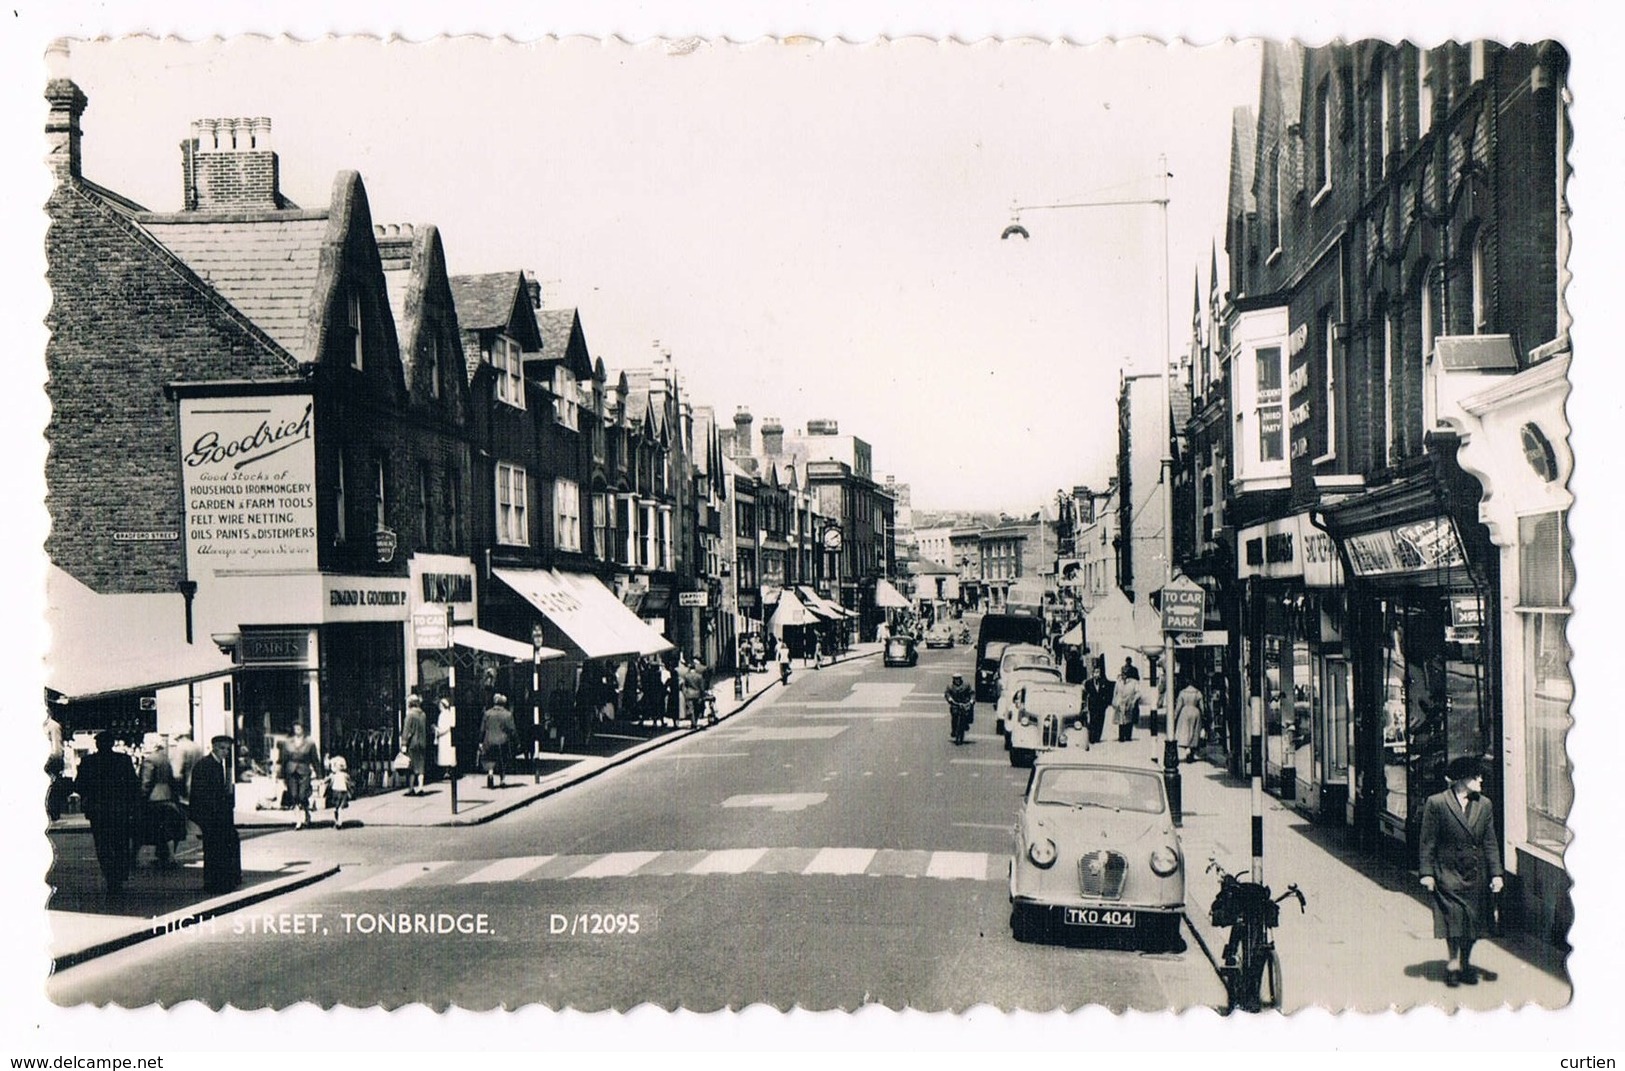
x=1269 y=981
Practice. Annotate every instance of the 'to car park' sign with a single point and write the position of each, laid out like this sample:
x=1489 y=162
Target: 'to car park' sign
x=1183 y=606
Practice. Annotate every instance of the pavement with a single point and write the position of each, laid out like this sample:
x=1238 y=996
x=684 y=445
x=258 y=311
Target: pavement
x=86 y=922
x=1367 y=927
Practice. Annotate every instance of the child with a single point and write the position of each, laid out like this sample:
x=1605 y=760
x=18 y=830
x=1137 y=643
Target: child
x=338 y=788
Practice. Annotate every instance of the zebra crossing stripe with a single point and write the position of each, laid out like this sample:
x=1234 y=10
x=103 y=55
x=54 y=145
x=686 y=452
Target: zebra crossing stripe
x=840 y=861
x=728 y=861
x=396 y=876
x=972 y=865
x=507 y=869
x=615 y=865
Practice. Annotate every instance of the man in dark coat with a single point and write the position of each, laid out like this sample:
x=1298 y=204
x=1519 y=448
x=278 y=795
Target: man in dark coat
x=1097 y=699
x=110 y=793
x=1460 y=864
x=214 y=812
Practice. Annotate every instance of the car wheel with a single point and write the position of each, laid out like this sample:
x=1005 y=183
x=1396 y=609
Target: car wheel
x=1020 y=756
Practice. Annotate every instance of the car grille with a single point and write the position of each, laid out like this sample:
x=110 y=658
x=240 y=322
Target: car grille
x=1101 y=874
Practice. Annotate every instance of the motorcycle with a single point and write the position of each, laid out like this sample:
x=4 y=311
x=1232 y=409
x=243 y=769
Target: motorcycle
x=964 y=634
x=959 y=715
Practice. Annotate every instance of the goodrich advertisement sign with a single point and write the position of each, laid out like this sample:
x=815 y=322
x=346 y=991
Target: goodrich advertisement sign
x=249 y=472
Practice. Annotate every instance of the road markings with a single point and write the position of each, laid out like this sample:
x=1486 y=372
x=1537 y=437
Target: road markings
x=756 y=733
x=396 y=876
x=507 y=869
x=978 y=762
x=710 y=755
x=841 y=861
x=615 y=865
x=1003 y=827
x=950 y=865
x=728 y=861
x=871 y=695
x=780 y=801
x=732 y=862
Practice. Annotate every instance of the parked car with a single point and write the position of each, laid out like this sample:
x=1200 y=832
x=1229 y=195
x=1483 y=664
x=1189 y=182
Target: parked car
x=900 y=651
x=987 y=671
x=940 y=636
x=1007 y=686
x=1096 y=852
x=1044 y=715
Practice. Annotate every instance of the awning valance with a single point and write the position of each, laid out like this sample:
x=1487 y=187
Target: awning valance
x=889 y=597
x=477 y=639
x=791 y=613
x=820 y=605
x=105 y=645
x=589 y=614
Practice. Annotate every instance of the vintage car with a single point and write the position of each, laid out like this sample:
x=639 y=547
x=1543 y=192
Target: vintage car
x=1096 y=853
x=1007 y=688
x=1010 y=658
x=1044 y=715
x=940 y=636
x=987 y=672
x=900 y=651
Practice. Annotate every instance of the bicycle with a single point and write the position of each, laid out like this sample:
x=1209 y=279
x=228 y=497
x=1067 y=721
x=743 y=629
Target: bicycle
x=1251 y=969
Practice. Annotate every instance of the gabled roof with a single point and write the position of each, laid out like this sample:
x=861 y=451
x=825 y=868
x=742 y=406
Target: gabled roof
x=563 y=340
x=497 y=301
x=264 y=263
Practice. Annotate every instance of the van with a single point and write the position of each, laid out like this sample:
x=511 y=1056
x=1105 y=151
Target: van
x=1002 y=628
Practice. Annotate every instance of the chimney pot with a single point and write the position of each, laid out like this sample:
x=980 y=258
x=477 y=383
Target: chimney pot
x=67 y=103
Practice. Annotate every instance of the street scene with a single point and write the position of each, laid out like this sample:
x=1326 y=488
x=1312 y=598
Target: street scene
x=808 y=534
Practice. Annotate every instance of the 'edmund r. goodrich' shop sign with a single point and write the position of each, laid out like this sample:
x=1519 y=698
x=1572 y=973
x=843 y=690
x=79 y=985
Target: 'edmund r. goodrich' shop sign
x=249 y=471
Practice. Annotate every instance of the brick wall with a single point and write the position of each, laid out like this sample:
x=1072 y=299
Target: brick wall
x=125 y=321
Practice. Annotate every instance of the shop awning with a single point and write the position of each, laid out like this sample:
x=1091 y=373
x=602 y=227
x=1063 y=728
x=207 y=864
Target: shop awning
x=791 y=613
x=477 y=639
x=1074 y=636
x=588 y=613
x=104 y=645
x=889 y=597
x=820 y=605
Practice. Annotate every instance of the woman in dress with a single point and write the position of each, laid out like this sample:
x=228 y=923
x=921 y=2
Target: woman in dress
x=1188 y=720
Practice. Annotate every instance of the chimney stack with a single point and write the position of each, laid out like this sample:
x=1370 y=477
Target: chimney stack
x=772 y=437
x=67 y=103
x=394 y=244
x=533 y=287
x=742 y=438
x=228 y=164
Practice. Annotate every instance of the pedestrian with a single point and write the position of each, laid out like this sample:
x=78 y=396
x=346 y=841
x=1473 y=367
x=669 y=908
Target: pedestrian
x=214 y=811
x=110 y=793
x=1097 y=697
x=56 y=766
x=818 y=652
x=497 y=731
x=693 y=686
x=415 y=742
x=445 y=743
x=162 y=822
x=673 y=688
x=299 y=761
x=1188 y=719
x=1126 y=702
x=1460 y=863
x=184 y=755
x=338 y=788
x=651 y=692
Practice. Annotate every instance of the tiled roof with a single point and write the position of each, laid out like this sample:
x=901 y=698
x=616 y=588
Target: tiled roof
x=264 y=266
x=556 y=325
x=484 y=301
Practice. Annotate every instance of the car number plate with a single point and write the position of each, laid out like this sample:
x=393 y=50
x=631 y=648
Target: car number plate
x=1095 y=916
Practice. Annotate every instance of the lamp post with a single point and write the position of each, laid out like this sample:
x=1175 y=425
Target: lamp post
x=1016 y=230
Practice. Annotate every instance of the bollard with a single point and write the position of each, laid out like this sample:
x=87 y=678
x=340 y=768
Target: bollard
x=1172 y=779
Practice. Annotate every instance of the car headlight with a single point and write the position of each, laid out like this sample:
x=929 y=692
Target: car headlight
x=1060 y=741
x=1164 y=861
x=1028 y=719
x=1042 y=853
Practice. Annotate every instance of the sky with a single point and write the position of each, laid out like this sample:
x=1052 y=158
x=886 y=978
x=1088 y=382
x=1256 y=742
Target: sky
x=810 y=230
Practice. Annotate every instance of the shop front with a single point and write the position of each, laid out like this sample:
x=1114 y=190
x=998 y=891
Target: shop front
x=1515 y=440
x=1293 y=651
x=1421 y=651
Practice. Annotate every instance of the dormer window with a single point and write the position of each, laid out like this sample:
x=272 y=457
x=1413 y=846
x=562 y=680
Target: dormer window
x=508 y=360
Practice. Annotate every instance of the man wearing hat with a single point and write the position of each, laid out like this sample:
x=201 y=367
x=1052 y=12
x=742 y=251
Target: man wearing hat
x=961 y=699
x=1460 y=864
x=214 y=813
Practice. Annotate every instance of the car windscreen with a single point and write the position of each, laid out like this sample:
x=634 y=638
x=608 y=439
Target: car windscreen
x=1116 y=790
